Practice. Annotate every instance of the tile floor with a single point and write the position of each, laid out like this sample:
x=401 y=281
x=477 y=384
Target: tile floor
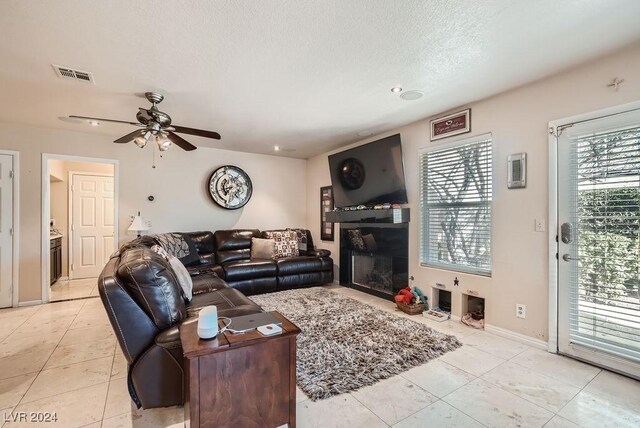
x=65 y=289
x=63 y=358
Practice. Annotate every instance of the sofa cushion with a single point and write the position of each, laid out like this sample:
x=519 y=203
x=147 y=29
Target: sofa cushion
x=230 y=303
x=234 y=244
x=202 y=269
x=299 y=264
x=249 y=269
x=153 y=285
x=207 y=282
x=249 y=287
x=205 y=246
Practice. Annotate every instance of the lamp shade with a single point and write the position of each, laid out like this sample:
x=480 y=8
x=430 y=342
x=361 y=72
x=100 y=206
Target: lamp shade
x=138 y=224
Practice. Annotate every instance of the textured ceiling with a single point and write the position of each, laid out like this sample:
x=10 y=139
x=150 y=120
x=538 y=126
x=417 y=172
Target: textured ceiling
x=307 y=75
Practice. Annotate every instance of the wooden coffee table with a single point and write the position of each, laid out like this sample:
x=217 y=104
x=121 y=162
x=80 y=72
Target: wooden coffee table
x=240 y=380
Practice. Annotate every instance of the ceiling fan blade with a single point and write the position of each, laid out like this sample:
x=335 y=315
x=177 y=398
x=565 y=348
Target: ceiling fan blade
x=104 y=120
x=130 y=136
x=180 y=142
x=198 y=132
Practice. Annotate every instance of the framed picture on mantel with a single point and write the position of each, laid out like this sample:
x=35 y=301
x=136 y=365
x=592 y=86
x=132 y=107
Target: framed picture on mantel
x=326 y=205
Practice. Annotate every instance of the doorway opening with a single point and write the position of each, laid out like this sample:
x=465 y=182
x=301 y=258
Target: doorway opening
x=80 y=224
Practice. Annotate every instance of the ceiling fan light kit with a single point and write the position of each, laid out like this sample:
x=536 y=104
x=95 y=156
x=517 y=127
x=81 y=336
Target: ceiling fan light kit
x=156 y=125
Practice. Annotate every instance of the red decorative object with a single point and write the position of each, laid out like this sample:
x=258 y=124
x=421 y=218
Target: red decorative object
x=453 y=124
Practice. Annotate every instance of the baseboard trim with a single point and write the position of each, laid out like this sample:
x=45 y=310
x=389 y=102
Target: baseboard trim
x=30 y=303
x=518 y=337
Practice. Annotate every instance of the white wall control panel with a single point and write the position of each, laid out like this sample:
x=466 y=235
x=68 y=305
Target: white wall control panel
x=517 y=174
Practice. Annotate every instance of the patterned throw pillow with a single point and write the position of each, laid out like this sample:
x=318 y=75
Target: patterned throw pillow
x=182 y=275
x=370 y=243
x=286 y=244
x=301 y=237
x=355 y=238
x=179 y=245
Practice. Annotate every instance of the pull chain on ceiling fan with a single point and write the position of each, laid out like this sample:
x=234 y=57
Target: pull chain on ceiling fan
x=155 y=125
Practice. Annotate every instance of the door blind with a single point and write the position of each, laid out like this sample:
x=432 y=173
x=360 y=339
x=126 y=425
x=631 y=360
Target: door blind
x=604 y=292
x=456 y=194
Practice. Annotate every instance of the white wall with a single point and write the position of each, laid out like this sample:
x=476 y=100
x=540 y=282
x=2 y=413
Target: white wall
x=519 y=121
x=179 y=184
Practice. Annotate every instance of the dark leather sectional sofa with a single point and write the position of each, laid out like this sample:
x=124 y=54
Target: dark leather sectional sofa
x=145 y=304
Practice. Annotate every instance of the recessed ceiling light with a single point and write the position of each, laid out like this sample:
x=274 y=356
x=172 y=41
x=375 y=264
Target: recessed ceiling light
x=94 y=123
x=396 y=89
x=411 y=95
x=276 y=148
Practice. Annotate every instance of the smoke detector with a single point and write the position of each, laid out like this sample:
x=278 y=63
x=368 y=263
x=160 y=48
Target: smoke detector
x=411 y=95
x=71 y=74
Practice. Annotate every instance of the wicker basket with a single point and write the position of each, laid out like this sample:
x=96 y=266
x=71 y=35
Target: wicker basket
x=415 y=309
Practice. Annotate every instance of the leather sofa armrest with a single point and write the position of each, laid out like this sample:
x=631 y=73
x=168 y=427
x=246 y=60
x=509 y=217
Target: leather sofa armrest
x=169 y=338
x=319 y=252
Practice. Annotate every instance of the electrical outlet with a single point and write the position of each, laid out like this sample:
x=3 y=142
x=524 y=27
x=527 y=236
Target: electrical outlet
x=539 y=225
x=521 y=310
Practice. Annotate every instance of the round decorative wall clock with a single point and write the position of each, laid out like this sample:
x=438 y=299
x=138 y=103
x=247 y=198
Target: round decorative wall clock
x=230 y=187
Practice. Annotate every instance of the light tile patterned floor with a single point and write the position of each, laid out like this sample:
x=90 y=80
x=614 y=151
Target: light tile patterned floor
x=65 y=289
x=63 y=358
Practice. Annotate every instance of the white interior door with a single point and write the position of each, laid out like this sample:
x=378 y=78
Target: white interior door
x=6 y=231
x=599 y=242
x=92 y=224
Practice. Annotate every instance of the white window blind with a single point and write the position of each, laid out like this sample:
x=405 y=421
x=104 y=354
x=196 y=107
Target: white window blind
x=605 y=290
x=456 y=193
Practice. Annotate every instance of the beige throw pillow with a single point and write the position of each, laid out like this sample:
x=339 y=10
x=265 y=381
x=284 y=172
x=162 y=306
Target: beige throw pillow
x=262 y=248
x=182 y=275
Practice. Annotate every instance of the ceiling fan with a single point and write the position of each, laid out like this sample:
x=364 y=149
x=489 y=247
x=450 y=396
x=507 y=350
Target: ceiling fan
x=155 y=125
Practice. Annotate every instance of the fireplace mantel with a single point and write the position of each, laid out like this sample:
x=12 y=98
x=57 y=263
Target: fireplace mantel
x=391 y=215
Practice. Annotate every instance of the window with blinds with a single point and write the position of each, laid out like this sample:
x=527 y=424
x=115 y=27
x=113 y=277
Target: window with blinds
x=605 y=290
x=456 y=193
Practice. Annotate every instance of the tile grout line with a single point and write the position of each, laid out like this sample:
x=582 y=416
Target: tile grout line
x=460 y=387
x=365 y=406
x=508 y=392
x=106 y=398
x=54 y=350
x=524 y=398
x=578 y=393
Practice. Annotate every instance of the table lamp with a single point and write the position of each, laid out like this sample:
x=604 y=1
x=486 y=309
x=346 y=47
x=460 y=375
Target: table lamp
x=138 y=225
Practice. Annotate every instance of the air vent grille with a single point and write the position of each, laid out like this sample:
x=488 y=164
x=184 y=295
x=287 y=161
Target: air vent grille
x=70 y=73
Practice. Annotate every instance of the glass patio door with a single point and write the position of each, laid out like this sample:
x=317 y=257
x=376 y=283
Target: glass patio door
x=599 y=241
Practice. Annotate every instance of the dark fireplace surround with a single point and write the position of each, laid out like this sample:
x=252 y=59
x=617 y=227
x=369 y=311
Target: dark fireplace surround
x=380 y=266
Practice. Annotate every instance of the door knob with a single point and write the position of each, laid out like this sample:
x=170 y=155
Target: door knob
x=567 y=258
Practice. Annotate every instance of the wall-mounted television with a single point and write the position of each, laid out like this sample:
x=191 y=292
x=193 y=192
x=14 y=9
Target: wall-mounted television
x=369 y=174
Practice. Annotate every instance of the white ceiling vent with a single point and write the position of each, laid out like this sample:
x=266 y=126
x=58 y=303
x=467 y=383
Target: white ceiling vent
x=70 y=73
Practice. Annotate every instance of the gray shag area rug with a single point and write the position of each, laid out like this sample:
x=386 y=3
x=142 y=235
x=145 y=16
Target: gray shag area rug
x=346 y=345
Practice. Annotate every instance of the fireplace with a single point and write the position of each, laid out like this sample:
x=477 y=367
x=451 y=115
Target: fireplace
x=374 y=250
x=374 y=271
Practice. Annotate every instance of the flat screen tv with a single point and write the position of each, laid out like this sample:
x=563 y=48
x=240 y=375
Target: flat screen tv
x=369 y=174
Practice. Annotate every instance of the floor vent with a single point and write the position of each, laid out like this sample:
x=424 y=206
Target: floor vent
x=70 y=73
